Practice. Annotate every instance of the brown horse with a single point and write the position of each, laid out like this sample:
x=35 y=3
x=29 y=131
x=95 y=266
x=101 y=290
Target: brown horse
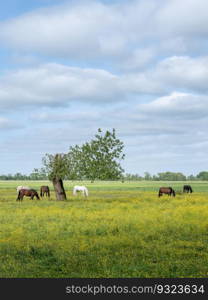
x=44 y=190
x=166 y=190
x=28 y=193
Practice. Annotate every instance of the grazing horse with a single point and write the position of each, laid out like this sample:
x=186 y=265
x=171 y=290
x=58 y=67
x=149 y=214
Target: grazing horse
x=166 y=190
x=187 y=189
x=44 y=189
x=82 y=189
x=28 y=193
x=21 y=187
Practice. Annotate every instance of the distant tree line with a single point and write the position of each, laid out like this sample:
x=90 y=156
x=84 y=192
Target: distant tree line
x=40 y=174
x=37 y=174
x=167 y=176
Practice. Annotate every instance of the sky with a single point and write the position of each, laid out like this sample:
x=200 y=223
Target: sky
x=70 y=67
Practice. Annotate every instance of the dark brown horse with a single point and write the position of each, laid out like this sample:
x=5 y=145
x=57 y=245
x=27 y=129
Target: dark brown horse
x=187 y=189
x=166 y=190
x=28 y=193
x=44 y=190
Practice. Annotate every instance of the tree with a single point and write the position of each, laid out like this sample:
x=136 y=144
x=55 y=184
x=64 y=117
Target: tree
x=98 y=159
x=56 y=167
x=191 y=177
x=202 y=175
x=76 y=163
x=147 y=176
x=38 y=174
x=133 y=177
x=171 y=176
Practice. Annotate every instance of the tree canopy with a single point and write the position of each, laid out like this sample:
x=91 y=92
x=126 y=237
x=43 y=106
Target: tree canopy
x=203 y=175
x=97 y=159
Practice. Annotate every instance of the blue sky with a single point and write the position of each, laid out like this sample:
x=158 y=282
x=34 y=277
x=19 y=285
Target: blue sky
x=68 y=68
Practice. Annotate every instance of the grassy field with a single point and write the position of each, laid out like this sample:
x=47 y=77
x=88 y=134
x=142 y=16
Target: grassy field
x=121 y=230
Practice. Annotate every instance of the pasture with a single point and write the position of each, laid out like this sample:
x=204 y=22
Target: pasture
x=120 y=230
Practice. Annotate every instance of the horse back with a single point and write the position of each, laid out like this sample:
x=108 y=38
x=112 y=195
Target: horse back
x=165 y=189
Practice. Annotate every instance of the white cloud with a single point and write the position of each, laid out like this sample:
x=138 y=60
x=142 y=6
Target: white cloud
x=187 y=17
x=68 y=116
x=79 y=29
x=59 y=85
x=56 y=85
x=138 y=59
x=121 y=30
x=178 y=105
x=6 y=124
x=184 y=72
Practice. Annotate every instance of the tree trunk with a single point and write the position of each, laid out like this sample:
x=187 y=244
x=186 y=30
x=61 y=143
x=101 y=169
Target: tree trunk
x=59 y=189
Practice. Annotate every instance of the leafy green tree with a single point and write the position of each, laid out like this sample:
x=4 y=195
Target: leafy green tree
x=191 y=177
x=100 y=158
x=76 y=164
x=133 y=177
x=56 y=167
x=97 y=159
x=38 y=174
x=147 y=176
x=35 y=174
x=171 y=176
x=202 y=175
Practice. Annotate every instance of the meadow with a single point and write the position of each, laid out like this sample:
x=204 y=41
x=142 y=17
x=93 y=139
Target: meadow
x=121 y=230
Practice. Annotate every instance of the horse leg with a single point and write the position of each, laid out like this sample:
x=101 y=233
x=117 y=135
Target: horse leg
x=18 y=196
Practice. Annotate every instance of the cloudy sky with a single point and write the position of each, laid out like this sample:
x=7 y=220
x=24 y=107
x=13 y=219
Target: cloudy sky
x=70 y=67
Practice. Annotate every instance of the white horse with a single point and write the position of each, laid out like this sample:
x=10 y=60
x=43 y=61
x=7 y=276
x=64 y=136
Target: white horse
x=80 y=188
x=21 y=187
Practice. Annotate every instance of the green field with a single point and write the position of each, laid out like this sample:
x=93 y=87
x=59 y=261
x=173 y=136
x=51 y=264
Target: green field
x=121 y=230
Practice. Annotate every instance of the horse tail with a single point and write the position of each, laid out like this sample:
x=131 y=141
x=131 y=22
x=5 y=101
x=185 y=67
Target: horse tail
x=37 y=196
x=173 y=192
x=48 y=193
x=41 y=193
x=191 y=189
x=159 y=194
x=86 y=192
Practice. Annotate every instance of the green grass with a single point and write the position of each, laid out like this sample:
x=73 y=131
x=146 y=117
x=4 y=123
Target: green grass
x=121 y=230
